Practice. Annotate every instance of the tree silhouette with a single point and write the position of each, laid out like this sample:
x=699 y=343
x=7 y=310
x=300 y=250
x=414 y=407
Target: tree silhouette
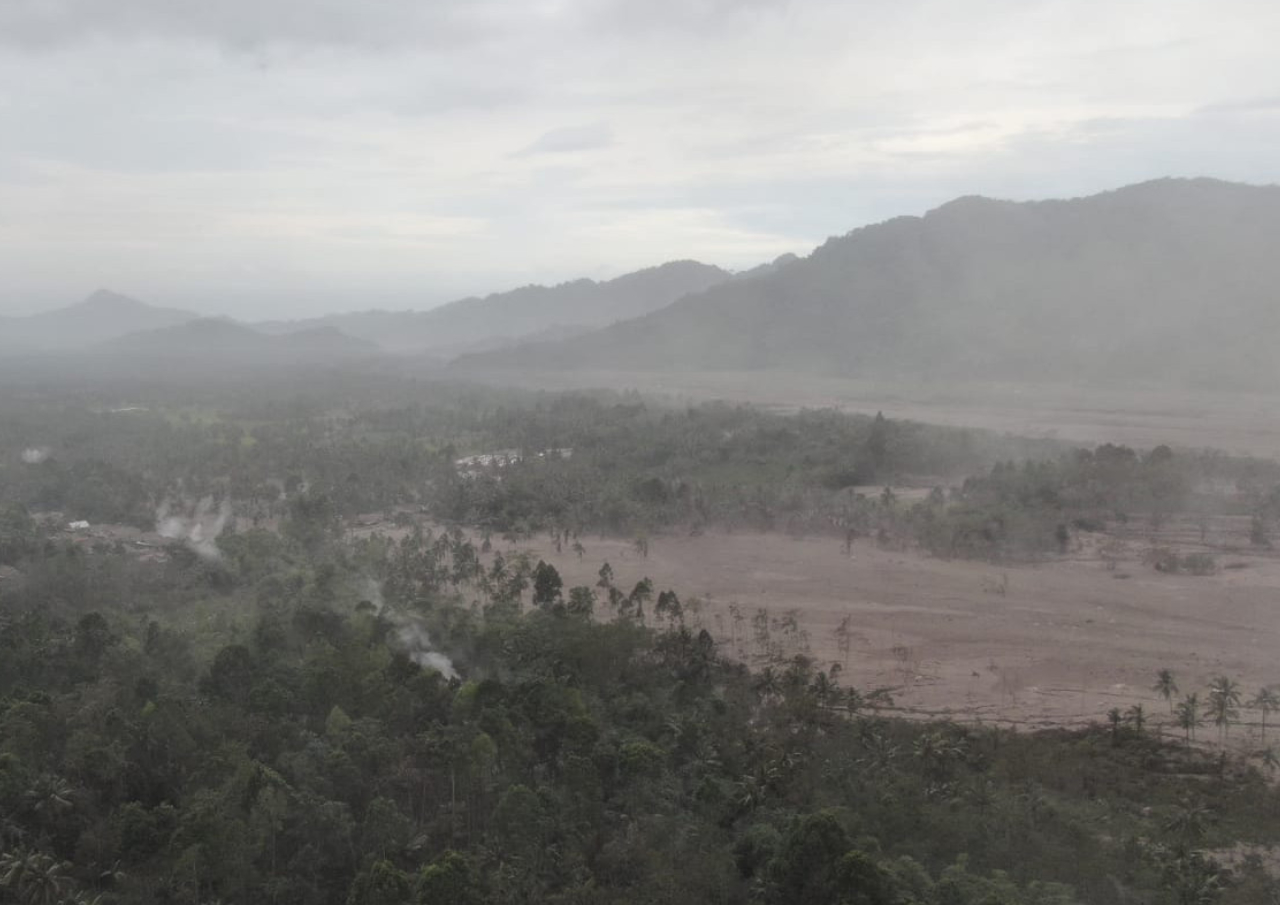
x=1223 y=704
x=1166 y=687
x=547 y=584
x=1116 y=719
x=1187 y=715
x=1137 y=718
x=1267 y=701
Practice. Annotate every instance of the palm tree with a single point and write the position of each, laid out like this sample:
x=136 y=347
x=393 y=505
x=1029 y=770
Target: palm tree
x=938 y=751
x=1193 y=879
x=1267 y=701
x=1115 y=717
x=1165 y=686
x=1188 y=716
x=35 y=877
x=1187 y=823
x=823 y=688
x=768 y=684
x=1137 y=718
x=881 y=752
x=1224 y=704
x=50 y=795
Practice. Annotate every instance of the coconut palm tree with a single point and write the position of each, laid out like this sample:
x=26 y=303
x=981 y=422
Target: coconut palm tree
x=1267 y=701
x=1136 y=716
x=1115 y=718
x=1187 y=715
x=768 y=684
x=1165 y=686
x=1224 y=704
x=50 y=795
x=35 y=878
x=1193 y=879
x=823 y=688
x=1187 y=823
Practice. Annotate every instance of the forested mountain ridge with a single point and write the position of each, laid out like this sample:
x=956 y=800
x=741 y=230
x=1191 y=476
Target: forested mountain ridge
x=529 y=312
x=1151 y=282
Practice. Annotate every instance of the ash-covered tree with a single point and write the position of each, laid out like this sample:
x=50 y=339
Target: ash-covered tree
x=547 y=584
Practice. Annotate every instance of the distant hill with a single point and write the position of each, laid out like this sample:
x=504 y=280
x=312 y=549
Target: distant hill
x=497 y=320
x=1166 y=281
x=214 y=340
x=102 y=316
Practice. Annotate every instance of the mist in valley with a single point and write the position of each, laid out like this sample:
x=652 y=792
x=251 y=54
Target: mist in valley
x=743 y=452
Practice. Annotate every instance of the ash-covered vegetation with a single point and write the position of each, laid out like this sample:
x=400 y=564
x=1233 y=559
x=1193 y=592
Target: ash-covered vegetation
x=262 y=730
x=512 y=463
x=265 y=705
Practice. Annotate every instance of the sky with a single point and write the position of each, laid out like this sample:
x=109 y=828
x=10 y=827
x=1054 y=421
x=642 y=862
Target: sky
x=282 y=158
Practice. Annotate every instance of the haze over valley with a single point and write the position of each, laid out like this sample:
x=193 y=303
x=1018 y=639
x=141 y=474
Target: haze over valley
x=1147 y=286
x=741 y=452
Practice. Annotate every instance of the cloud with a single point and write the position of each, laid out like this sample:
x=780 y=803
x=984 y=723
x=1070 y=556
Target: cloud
x=249 y=24
x=569 y=139
x=288 y=156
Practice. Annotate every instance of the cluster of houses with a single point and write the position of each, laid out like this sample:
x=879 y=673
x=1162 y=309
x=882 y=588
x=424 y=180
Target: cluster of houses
x=489 y=462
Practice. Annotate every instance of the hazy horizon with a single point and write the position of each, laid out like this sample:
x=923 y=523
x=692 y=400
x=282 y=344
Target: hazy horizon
x=425 y=300
x=285 y=160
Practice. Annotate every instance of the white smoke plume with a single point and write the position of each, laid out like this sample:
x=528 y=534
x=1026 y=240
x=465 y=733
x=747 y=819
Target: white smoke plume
x=418 y=643
x=410 y=633
x=199 y=530
x=34 y=455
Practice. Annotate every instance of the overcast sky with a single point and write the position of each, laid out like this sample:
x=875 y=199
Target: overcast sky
x=287 y=157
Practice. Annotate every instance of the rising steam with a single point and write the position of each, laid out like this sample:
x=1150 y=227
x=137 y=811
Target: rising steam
x=411 y=634
x=199 y=530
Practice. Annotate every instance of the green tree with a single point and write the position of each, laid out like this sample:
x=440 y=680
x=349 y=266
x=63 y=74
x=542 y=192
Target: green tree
x=447 y=881
x=34 y=877
x=582 y=601
x=1166 y=686
x=807 y=866
x=382 y=884
x=547 y=584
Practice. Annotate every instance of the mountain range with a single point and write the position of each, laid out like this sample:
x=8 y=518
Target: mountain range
x=102 y=316
x=1166 y=280
x=108 y=323
x=1169 y=281
x=528 y=313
